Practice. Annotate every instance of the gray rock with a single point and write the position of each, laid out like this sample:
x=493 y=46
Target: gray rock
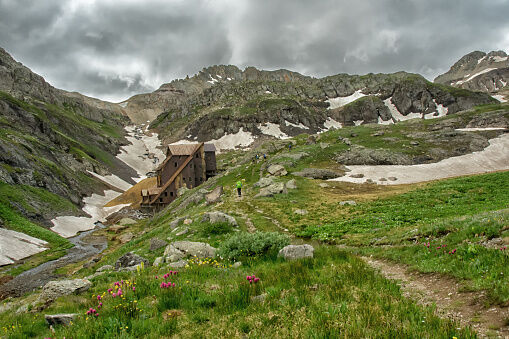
x=125 y=238
x=277 y=170
x=359 y=175
x=60 y=319
x=127 y=221
x=105 y=268
x=292 y=252
x=324 y=185
x=183 y=232
x=178 y=264
x=216 y=217
x=198 y=249
x=158 y=261
x=264 y=182
x=360 y=155
x=382 y=179
x=176 y=222
x=130 y=260
x=324 y=145
x=278 y=188
x=317 y=173
x=348 y=202
x=300 y=212
x=181 y=191
x=291 y=184
x=171 y=253
x=414 y=143
x=237 y=264
x=156 y=243
x=392 y=178
x=214 y=196
x=378 y=134
x=54 y=289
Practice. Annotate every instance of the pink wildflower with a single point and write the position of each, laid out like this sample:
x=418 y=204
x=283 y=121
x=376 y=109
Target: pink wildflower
x=248 y=278
x=109 y=290
x=100 y=304
x=256 y=280
x=98 y=297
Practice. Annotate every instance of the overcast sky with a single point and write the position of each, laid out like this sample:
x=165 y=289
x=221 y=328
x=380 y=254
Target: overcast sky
x=112 y=49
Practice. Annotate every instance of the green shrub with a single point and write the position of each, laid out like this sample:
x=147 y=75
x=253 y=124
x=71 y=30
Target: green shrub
x=216 y=228
x=244 y=244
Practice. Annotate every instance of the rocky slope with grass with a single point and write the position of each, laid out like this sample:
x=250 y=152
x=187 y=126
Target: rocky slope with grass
x=50 y=139
x=222 y=102
x=480 y=71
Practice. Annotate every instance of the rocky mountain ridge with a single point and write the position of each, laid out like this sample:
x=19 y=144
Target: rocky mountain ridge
x=478 y=71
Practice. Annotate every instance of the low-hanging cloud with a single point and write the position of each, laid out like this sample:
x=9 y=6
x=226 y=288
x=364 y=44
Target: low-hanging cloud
x=114 y=49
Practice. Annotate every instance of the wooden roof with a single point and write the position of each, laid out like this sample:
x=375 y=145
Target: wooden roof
x=209 y=147
x=182 y=149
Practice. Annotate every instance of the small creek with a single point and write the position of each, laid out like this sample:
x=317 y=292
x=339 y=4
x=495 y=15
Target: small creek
x=85 y=246
x=142 y=155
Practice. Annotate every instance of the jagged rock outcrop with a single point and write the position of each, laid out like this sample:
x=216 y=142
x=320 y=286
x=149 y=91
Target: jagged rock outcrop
x=283 y=103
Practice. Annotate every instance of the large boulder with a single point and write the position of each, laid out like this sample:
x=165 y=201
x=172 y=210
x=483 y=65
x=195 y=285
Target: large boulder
x=317 y=173
x=269 y=191
x=125 y=238
x=130 y=260
x=171 y=253
x=214 y=196
x=216 y=217
x=176 y=222
x=264 y=182
x=198 y=249
x=54 y=289
x=156 y=243
x=291 y=184
x=292 y=252
x=276 y=170
x=60 y=319
x=360 y=155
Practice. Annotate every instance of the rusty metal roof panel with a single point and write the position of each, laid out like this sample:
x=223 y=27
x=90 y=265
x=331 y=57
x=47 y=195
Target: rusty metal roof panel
x=182 y=149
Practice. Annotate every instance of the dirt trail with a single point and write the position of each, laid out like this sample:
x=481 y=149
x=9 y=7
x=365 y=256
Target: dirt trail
x=465 y=307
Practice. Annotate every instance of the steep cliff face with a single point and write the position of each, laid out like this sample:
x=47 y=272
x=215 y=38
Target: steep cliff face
x=50 y=138
x=479 y=71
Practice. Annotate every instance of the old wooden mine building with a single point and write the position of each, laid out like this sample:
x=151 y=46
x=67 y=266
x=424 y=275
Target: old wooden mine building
x=186 y=165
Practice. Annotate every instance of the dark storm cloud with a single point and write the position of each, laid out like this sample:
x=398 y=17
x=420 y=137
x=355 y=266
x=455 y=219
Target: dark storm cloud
x=113 y=49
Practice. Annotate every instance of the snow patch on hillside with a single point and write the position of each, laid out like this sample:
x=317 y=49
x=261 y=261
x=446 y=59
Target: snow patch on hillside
x=342 y=101
x=272 y=129
x=497 y=58
x=16 y=246
x=440 y=112
x=112 y=180
x=385 y=122
x=331 y=123
x=300 y=125
x=493 y=158
x=499 y=97
x=396 y=115
x=231 y=141
x=473 y=76
x=68 y=226
x=476 y=129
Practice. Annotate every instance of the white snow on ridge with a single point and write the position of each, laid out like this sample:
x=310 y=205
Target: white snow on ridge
x=358 y=122
x=440 y=112
x=15 y=246
x=497 y=58
x=331 y=123
x=475 y=129
x=300 y=125
x=385 y=122
x=473 y=76
x=396 y=115
x=499 y=97
x=342 y=101
x=480 y=60
x=493 y=158
x=231 y=141
x=272 y=129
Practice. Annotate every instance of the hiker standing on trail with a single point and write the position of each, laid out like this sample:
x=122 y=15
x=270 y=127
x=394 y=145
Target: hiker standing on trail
x=289 y=147
x=239 y=188
x=264 y=156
